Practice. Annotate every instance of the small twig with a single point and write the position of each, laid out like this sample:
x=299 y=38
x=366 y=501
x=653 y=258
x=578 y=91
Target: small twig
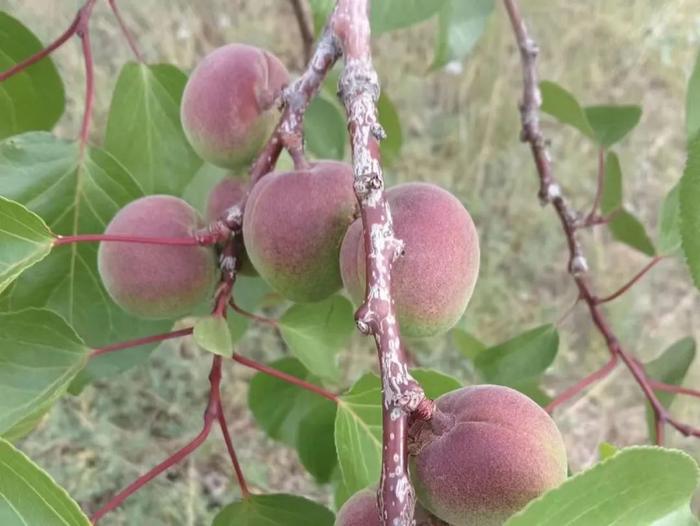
x=582 y=384
x=251 y=316
x=120 y=238
x=125 y=30
x=619 y=292
x=307 y=35
x=83 y=31
x=141 y=341
x=677 y=389
x=270 y=371
x=65 y=36
x=245 y=492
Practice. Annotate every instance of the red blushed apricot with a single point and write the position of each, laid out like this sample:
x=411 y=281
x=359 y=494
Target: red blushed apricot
x=293 y=225
x=434 y=280
x=229 y=192
x=156 y=281
x=361 y=510
x=228 y=107
x=490 y=452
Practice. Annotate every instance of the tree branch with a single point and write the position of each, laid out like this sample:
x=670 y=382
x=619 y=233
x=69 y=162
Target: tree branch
x=359 y=91
x=550 y=192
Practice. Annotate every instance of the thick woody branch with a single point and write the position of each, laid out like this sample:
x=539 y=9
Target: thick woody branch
x=550 y=192
x=359 y=91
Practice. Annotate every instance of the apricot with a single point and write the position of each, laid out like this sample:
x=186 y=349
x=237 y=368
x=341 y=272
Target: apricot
x=156 y=281
x=293 y=225
x=487 y=453
x=228 y=107
x=434 y=279
x=361 y=510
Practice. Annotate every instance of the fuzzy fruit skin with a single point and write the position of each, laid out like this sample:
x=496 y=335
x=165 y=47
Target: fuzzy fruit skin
x=293 y=225
x=361 y=510
x=227 y=108
x=492 y=452
x=434 y=280
x=156 y=281
x=230 y=191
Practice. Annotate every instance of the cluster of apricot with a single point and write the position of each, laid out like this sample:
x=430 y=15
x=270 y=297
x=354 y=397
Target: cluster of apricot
x=494 y=449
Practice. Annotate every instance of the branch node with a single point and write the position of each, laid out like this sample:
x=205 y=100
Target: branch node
x=578 y=266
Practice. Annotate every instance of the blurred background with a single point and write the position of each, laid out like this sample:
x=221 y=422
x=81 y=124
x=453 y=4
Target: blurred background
x=460 y=130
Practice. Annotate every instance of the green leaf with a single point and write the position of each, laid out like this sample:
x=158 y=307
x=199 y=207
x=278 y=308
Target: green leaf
x=564 y=107
x=315 y=332
x=30 y=497
x=324 y=129
x=531 y=388
x=249 y=292
x=627 y=229
x=690 y=211
x=74 y=195
x=460 y=25
x=340 y=493
x=611 y=123
x=389 y=119
x=274 y=510
x=316 y=441
x=144 y=131
x=692 y=102
x=435 y=383
x=611 y=199
x=278 y=406
x=388 y=15
x=24 y=240
x=466 y=343
x=670 y=222
x=636 y=486
x=670 y=367
x=358 y=434
x=212 y=334
x=521 y=358
x=197 y=191
x=40 y=354
x=34 y=98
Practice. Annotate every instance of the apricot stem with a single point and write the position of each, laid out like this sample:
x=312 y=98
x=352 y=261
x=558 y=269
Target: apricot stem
x=125 y=30
x=245 y=492
x=140 y=341
x=285 y=377
x=619 y=292
x=119 y=238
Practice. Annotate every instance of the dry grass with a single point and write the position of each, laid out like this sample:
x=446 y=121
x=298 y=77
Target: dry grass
x=461 y=132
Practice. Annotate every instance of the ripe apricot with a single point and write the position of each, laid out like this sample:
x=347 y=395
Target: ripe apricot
x=156 y=281
x=434 y=279
x=490 y=452
x=228 y=107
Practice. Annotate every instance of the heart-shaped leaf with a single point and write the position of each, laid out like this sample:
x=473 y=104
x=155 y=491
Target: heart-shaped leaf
x=144 y=131
x=212 y=334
